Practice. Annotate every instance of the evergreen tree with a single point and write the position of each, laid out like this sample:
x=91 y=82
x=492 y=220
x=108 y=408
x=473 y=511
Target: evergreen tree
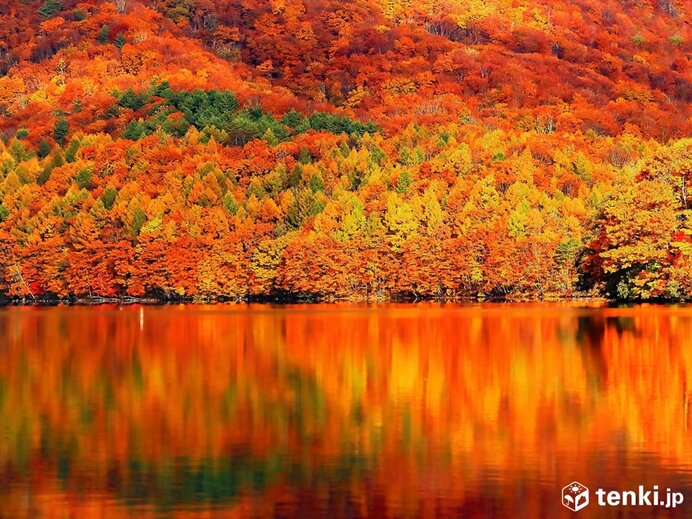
x=43 y=149
x=119 y=41
x=104 y=34
x=60 y=130
x=50 y=8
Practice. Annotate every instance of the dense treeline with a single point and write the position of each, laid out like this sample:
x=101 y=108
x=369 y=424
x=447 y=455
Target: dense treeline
x=454 y=212
x=207 y=149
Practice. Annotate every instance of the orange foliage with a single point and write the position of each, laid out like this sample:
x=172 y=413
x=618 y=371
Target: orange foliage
x=346 y=149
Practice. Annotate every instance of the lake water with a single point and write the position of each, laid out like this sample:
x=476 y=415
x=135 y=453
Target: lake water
x=341 y=411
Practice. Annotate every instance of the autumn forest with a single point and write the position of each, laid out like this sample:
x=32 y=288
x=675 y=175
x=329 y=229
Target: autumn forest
x=354 y=149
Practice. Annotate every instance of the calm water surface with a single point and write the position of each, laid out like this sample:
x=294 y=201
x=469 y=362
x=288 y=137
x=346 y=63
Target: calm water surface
x=429 y=411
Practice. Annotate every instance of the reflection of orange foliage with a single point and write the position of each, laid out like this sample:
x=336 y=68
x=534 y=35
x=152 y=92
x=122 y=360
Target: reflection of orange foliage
x=435 y=400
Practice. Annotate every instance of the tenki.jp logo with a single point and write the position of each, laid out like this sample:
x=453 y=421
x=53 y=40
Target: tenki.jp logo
x=575 y=496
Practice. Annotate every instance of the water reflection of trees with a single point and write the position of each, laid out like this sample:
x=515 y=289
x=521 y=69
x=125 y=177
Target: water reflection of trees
x=211 y=409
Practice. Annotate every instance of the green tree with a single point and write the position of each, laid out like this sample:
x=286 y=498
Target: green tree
x=204 y=108
x=133 y=101
x=108 y=198
x=50 y=8
x=305 y=157
x=134 y=130
x=55 y=162
x=119 y=41
x=270 y=138
x=297 y=122
x=83 y=178
x=104 y=34
x=295 y=177
x=43 y=148
x=403 y=182
x=4 y=212
x=338 y=124
x=139 y=218
x=71 y=151
x=60 y=130
x=316 y=183
x=230 y=203
x=304 y=206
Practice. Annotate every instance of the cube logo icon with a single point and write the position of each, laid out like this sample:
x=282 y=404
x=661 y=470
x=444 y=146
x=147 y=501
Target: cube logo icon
x=575 y=496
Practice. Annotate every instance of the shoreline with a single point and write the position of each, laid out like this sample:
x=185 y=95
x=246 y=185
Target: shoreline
x=292 y=299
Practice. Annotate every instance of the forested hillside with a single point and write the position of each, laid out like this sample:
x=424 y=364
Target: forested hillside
x=356 y=149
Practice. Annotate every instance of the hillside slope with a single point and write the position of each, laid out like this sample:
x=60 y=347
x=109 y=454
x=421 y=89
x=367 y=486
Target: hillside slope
x=352 y=149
